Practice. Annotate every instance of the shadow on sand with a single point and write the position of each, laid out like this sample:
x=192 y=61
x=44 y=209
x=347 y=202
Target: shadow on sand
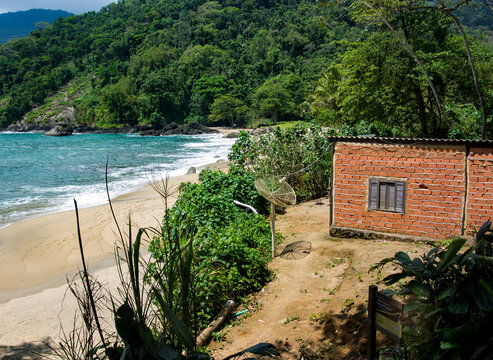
x=31 y=351
x=343 y=336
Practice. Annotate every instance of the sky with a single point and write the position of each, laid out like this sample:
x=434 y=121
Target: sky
x=73 y=6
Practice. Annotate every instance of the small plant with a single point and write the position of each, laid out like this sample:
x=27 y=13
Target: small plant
x=325 y=300
x=321 y=317
x=347 y=305
x=218 y=337
x=337 y=261
x=290 y=319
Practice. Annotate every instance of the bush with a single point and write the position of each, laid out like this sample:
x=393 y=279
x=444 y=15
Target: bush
x=451 y=299
x=235 y=262
x=300 y=154
x=230 y=247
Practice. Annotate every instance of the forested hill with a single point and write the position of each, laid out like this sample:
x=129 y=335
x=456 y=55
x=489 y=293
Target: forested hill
x=242 y=62
x=20 y=23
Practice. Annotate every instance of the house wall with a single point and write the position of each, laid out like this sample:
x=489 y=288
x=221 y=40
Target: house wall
x=480 y=188
x=435 y=188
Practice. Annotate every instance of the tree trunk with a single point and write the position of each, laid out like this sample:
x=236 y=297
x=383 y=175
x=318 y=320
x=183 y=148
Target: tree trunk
x=473 y=68
x=407 y=47
x=421 y=111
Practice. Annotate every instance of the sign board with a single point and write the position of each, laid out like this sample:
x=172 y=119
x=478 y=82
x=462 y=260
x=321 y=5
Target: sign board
x=388 y=313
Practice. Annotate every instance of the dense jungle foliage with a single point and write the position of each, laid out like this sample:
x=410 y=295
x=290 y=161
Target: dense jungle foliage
x=232 y=62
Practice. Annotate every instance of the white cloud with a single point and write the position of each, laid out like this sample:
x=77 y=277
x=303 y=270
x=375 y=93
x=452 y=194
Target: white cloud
x=74 y=6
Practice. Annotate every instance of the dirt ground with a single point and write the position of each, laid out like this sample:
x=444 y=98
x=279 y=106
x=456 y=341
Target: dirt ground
x=315 y=308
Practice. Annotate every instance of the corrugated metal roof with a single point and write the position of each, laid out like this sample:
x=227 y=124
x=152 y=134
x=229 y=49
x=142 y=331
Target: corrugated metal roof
x=413 y=141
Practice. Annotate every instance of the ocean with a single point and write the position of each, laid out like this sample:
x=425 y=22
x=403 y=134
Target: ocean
x=42 y=174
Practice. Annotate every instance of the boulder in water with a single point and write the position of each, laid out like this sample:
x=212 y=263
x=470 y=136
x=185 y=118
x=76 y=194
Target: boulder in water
x=232 y=135
x=60 y=130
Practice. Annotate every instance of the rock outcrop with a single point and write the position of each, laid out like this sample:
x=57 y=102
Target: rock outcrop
x=60 y=130
x=232 y=135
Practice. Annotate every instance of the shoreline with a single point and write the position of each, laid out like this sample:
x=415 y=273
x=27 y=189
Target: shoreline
x=135 y=129
x=37 y=253
x=54 y=198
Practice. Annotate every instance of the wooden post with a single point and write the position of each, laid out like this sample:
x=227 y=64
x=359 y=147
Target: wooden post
x=372 y=332
x=273 y=228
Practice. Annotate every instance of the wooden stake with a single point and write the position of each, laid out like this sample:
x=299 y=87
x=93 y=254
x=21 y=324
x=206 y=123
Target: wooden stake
x=273 y=228
x=372 y=332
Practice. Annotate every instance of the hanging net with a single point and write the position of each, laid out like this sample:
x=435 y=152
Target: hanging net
x=276 y=191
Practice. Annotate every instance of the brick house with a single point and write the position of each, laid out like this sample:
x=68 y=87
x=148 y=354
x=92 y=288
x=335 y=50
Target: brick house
x=415 y=188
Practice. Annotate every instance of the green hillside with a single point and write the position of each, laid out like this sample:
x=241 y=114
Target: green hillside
x=243 y=62
x=20 y=23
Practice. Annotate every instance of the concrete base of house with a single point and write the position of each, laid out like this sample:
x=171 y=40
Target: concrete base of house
x=344 y=232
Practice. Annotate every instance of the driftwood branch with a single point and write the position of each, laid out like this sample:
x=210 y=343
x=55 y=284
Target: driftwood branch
x=206 y=335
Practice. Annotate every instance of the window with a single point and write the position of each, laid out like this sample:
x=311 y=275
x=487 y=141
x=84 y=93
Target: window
x=387 y=195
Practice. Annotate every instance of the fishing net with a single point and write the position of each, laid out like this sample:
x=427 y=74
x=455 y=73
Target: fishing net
x=276 y=191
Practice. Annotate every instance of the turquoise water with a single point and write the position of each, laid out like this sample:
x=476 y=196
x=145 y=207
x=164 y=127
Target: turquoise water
x=42 y=174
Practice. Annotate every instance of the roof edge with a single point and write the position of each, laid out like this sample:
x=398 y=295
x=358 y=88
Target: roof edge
x=411 y=141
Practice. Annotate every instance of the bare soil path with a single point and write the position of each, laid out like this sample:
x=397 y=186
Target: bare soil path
x=315 y=308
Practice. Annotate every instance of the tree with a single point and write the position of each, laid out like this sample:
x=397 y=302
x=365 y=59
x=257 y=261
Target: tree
x=227 y=109
x=383 y=82
x=121 y=101
x=165 y=90
x=204 y=91
x=323 y=101
x=275 y=98
x=371 y=9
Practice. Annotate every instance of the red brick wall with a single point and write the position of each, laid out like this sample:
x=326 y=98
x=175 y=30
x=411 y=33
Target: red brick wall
x=434 y=191
x=480 y=188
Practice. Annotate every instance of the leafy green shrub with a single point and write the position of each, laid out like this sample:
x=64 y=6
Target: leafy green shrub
x=235 y=259
x=230 y=247
x=451 y=299
x=301 y=154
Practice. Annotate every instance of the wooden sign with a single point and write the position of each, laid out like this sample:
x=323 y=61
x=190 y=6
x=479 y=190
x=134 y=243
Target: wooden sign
x=384 y=314
x=388 y=313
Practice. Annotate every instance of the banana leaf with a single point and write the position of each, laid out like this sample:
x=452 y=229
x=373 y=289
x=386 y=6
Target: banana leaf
x=265 y=349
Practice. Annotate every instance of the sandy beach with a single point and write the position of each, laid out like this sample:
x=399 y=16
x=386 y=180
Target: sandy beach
x=37 y=255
